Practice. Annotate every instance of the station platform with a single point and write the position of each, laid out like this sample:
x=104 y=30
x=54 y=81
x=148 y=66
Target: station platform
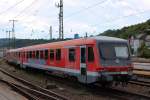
x=142 y=73
x=144 y=66
x=142 y=69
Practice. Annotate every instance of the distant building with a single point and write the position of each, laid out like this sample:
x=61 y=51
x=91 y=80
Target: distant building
x=135 y=44
x=144 y=38
x=2 y=52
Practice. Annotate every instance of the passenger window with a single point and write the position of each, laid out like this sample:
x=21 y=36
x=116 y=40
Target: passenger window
x=24 y=54
x=41 y=54
x=15 y=54
x=37 y=54
x=30 y=54
x=19 y=55
x=72 y=55
x=46 y=54
x=51 y=54
x=58 y=54
x=27 y=54
x=33 y=54
x=90 y=54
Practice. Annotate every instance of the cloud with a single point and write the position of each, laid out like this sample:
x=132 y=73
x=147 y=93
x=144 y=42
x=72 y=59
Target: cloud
x=79 y=27
x=43 y=13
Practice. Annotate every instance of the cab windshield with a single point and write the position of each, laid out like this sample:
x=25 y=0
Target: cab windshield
x=110 y=51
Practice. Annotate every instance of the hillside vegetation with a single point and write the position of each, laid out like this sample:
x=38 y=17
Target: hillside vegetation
x=127 y=31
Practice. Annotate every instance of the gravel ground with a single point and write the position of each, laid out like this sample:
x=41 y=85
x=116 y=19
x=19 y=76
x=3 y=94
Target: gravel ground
x=136 y=88
x=72 y=92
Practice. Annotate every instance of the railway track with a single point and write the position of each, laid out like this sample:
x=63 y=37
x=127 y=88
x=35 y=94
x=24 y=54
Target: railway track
x=126 y=95
x=31 y=94
x=118 y=93
x=112 y=92
x=31 y=91
x=140 y=82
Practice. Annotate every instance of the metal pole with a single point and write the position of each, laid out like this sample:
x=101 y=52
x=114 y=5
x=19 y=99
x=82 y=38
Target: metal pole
x=9 y=38
x=61 y=18
x=50 y=32
x=61 y=27
x=13 y=32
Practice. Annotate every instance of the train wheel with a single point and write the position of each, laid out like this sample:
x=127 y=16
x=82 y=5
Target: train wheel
x=23 y=66
x=73 y=78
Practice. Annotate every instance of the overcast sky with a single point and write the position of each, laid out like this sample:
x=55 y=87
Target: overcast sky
x=80 y=16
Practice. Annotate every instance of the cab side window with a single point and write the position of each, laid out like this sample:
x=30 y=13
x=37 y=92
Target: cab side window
x=90 y=54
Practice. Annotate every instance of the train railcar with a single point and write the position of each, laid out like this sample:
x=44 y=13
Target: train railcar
x=91 y=60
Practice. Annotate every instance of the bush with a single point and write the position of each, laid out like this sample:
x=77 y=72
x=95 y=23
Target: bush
x=144 y=52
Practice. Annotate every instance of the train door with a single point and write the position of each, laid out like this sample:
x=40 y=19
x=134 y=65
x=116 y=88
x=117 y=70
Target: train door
x=83 y=66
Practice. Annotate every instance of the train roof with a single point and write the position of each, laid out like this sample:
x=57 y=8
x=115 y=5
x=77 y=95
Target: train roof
x=74 y=42
x=106 y=38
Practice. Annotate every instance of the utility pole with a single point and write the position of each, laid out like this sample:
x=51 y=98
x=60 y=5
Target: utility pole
x=13 y=32
x=50 y=32
x=86 y=35
x=8 y=38
x=61 y=28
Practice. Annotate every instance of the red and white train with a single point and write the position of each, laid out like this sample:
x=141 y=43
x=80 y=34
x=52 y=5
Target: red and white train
x=90 y=60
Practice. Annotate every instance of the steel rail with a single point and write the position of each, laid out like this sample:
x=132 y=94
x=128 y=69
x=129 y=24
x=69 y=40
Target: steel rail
x=38 y=88
x=20 y=90
x=125 y=95
x=139 y=82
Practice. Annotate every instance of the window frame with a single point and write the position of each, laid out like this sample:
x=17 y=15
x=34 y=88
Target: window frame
x=46 y=54
x=91 y=56
x=37 y=54
x=58 y=54
x=70 y=57
x=30 y=54
x=19 y=54
x=41 y=54
x=34 y=54
x=27 y=54
x=52 y=54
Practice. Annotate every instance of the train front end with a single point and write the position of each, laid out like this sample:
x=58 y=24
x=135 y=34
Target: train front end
x=115 y=62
